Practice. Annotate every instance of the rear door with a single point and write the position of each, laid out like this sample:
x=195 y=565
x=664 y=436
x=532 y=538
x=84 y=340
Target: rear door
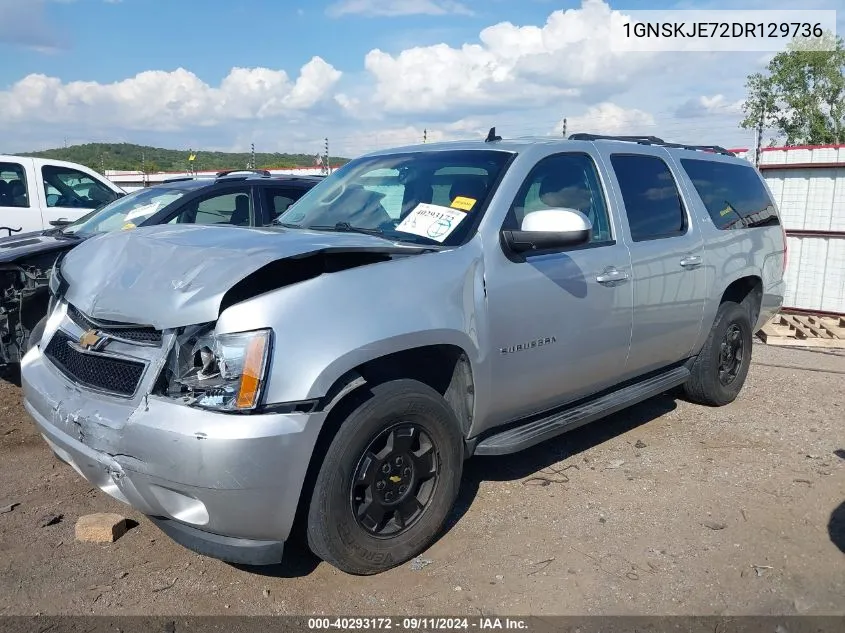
x=19 y=208
x=667 y=259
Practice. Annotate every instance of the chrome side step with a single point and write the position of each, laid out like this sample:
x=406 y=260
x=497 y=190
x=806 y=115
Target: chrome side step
x=525 y=435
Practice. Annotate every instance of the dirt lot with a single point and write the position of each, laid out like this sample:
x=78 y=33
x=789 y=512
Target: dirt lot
x=667 y=508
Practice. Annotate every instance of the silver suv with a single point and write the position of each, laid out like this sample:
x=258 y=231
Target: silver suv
x=328 y=376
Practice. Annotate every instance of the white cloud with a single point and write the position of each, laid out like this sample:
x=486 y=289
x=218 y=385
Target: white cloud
x=391 y=8
x=161 y=100
x=715 y=105
x=609 y=118
x=516 y=65
x=520 y=78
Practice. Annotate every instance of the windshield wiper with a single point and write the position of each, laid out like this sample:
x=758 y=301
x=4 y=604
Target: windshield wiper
x=348 y=228
x=287 y=225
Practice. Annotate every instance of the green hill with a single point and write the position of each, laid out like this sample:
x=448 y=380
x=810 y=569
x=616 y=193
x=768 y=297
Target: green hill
x=100 y=156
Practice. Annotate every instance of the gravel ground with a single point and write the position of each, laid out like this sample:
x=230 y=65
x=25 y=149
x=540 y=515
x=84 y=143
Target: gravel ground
x=666 y=508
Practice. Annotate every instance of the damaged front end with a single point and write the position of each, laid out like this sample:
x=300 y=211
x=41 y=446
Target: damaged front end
x=23 y=303
x=221 y=372
x=145 y=415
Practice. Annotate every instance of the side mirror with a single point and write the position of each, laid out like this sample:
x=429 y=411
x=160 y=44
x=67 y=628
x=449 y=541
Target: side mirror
x=549 y=228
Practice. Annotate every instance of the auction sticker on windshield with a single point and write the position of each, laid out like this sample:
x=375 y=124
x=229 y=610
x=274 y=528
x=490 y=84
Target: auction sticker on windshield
x=432 y=221
x=137 y=212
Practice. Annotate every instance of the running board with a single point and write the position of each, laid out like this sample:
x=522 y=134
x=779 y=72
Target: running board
x=526 y=435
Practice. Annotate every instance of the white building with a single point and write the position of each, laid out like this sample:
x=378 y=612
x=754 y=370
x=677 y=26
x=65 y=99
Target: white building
x=808 y=183
x=132 y=180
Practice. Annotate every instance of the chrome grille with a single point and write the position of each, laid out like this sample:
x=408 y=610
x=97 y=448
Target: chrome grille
x=139 y=334
x=97 y=371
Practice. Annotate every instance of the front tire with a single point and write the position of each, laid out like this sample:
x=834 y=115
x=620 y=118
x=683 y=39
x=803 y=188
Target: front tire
x=719 y=371
x=388 y=481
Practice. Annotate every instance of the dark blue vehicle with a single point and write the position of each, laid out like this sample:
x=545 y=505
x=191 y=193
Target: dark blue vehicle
x=241 y=198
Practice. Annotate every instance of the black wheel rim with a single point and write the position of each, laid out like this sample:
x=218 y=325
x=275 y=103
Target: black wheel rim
x=731 y=352
x=394 y=481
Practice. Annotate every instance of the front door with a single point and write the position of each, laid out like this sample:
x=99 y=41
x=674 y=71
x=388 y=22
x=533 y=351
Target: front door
x=560 y=321
x=667 y=257
x=69 y=193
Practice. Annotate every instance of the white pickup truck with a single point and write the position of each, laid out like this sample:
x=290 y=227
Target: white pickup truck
x=36 y=192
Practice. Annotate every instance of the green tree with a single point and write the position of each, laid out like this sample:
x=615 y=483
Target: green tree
x=128 y=156
x=801 y=95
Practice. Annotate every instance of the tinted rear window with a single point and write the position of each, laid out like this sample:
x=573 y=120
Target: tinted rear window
x=733 y=194
x=652 y=202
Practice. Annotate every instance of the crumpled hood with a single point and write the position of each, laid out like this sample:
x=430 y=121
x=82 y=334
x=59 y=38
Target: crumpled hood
x=171 y=276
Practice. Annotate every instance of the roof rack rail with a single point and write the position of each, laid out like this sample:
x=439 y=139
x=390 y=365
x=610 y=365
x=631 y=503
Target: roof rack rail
x=260 y=172
x=650 y=140
x=178 y=179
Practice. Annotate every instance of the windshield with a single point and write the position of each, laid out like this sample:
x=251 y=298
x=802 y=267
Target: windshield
x=126 y=212
x=432 y=197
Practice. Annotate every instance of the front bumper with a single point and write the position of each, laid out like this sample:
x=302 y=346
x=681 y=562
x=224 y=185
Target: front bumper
x=224 y=485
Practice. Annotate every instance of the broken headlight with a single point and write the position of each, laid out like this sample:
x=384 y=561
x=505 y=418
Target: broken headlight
x=225 y=372
x=57 y=284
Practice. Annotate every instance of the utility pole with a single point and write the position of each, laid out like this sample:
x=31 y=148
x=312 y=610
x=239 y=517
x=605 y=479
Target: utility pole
x=102 y=164
x=252 y=157
x=759 y=136
x=564 y=128
x=144 y=167
x=425 y=136
x=328 y=166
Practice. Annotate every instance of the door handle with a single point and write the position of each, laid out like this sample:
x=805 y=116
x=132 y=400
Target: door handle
x=612 y=276
x=691 y=261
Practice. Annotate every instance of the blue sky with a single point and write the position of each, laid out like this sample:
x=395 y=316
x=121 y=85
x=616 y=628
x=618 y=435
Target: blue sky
x=366 y=73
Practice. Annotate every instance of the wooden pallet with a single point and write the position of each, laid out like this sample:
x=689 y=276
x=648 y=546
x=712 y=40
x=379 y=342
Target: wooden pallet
x=804 y=331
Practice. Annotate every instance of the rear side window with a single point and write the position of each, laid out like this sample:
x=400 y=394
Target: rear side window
x=277 y=200
x=733 y=194
x=13 y=191
x=652 y=202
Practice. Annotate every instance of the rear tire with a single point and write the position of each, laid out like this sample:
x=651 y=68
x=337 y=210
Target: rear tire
x=388 y=481
x=719 y=371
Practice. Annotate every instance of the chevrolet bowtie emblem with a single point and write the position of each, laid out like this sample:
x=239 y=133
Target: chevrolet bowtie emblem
x=90 y=339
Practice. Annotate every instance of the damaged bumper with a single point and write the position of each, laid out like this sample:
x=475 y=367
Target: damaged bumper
x=224 y=485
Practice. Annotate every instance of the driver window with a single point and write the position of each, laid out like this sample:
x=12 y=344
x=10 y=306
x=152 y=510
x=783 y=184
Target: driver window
x=234 y=206
x=66 y=187
x=567 y=181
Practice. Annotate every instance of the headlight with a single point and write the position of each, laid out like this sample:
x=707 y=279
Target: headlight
x=55 y=279
x=225 y=372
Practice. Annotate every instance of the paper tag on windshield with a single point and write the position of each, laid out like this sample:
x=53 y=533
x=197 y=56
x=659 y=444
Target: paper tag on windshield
x=137 y=212
x=432 y=221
